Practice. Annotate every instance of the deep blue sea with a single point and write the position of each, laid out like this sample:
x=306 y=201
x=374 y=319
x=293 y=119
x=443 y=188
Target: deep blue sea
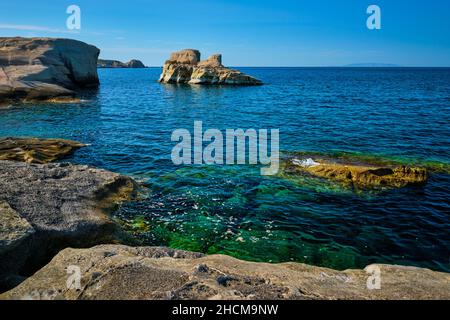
x=389 y=112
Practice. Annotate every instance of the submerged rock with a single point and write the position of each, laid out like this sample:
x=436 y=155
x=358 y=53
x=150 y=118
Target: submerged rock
x=45 y=68
x=185 y=67
x=355 y=174
x=34 y=150
x=45 y=208
x=120 y=272
x=118 y=64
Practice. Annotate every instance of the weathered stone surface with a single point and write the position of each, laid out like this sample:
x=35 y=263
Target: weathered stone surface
x=118 y=64
x=185 y=67
x=44 y=68
x=357 y=175
x=34 y=150
x=214 y=61
x=65 y=205
x=120 y=272
x=220 y=75
x=13 y=228
x=186 y=56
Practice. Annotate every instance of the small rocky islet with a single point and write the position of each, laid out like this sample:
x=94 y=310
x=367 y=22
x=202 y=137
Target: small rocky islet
x=53 y=215
x=185 y=66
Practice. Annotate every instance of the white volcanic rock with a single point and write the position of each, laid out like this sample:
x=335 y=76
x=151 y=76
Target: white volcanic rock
x=44 y=68
x=185 y=67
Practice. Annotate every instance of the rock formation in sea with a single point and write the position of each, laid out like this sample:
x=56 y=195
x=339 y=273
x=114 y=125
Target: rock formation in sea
x=185 y=66
x=44 y=68
x=119 y=64
x=142 y=273
x=34 y=150
x=356 y=173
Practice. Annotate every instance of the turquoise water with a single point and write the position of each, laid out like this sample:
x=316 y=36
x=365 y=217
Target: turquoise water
x=401 y=113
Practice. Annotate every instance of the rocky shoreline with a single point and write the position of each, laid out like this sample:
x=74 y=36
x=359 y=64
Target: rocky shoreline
x=57 y=215
x=125 y=273
x=47 y=208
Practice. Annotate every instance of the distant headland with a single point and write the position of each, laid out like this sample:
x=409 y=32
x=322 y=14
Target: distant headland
x=372 y=65
x=133 y=63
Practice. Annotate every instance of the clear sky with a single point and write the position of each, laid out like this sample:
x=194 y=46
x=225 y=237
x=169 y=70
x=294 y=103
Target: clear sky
x=246 y=32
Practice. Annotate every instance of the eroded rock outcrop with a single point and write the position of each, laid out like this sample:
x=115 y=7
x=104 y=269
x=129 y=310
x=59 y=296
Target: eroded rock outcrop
x=34 y=150
x=45 y=208
x=356 y=174
x=185 y=67
x=119 y=64
x=120 y=272
x=45 y=68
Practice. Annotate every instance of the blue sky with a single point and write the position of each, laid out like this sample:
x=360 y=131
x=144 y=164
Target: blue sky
x=247 y=32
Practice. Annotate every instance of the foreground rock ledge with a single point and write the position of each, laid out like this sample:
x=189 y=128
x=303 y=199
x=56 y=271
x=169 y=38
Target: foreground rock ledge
x=46 y=208
x=45 y=68
x=34 y=150
x=185 y=67
x=120 y=272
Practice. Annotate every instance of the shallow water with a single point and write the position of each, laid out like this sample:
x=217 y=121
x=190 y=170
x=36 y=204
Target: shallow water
x=401 y=113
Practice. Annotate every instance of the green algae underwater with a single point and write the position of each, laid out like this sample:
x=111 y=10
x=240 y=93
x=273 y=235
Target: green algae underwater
x=257 y=218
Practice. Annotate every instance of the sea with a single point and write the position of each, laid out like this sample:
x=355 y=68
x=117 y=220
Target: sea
x=402 y=114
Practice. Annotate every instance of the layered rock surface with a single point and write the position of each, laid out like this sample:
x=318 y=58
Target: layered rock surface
x=120 y=272
x=357 y=175
x=34 y=150
x=45 y=208
x=118 y=64
x=44 y=68
x=186 y=67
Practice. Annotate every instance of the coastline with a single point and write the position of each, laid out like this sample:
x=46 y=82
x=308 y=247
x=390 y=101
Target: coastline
x=323 y=208
x=112 y=271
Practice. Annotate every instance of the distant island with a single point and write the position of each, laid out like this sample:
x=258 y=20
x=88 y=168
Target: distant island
x=102 y=63
x=372 y=65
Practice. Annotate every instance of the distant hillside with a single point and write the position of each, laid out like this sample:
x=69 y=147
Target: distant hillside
x=372 y=65
x=101 y=63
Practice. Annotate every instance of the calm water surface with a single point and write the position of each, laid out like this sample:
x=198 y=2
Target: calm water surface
x=402 y=113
